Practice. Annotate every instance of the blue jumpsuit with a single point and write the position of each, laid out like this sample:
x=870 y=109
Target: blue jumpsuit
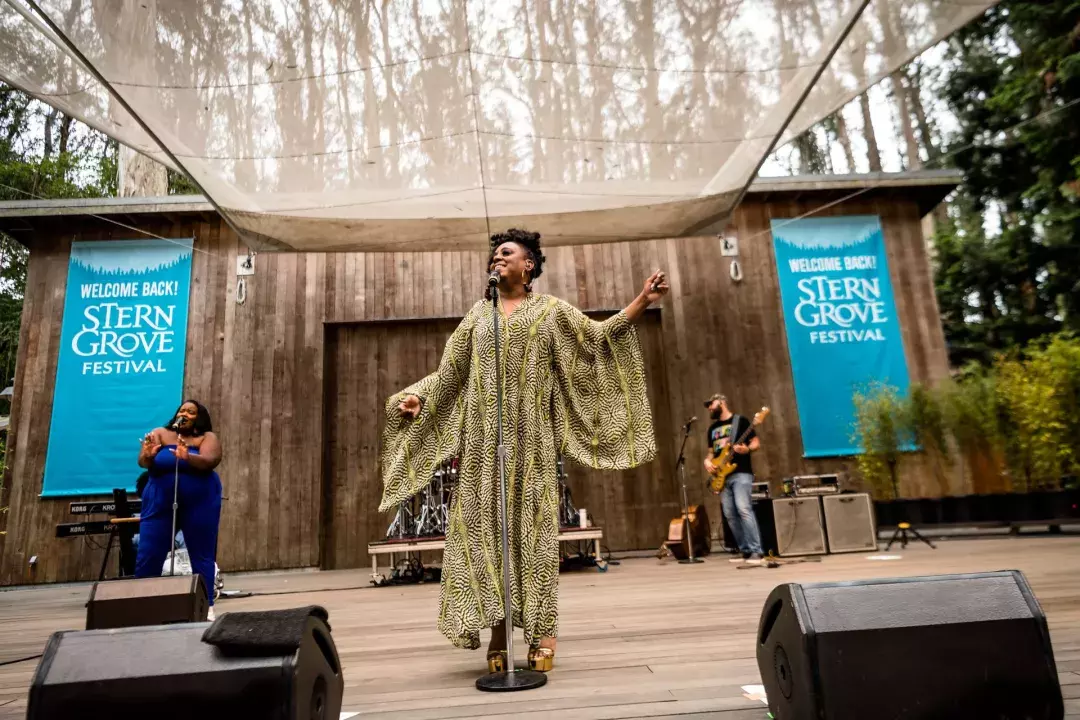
x=198 y=512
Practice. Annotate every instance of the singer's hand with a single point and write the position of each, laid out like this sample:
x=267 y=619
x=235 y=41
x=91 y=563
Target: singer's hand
x=656 y=287
x=182 y=450
x=409 y=407
x=151 y=444
x=149 y=449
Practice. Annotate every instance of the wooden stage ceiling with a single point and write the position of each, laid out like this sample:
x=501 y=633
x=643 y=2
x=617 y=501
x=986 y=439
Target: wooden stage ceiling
x=646 y=639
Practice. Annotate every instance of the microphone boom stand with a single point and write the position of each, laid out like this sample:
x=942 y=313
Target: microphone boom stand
x=680 y=467
x=175 y=505
x=511 y=680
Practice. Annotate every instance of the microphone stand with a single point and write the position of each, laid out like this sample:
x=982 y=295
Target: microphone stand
x=175 y=505
x=511 y=680
x=680 y=468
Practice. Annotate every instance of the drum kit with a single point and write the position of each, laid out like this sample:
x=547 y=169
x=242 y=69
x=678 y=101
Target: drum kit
x=427 y=514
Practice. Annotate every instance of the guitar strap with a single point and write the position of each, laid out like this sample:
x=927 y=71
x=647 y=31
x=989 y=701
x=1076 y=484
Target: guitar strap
x=733 y=436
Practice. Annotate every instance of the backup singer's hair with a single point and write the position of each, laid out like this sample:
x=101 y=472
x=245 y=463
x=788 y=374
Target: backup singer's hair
x=202 y=424
x=528 y=240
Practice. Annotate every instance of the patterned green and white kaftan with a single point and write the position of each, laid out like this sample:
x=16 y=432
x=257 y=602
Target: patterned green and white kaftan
x=572 y=385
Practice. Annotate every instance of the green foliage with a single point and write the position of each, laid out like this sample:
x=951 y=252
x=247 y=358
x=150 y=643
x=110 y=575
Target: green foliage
x=1039 y=391
x=13 y=257
x=43 y=154
x=1014 y=425
x=179 y=184
x=880 y=430
x=969 y=409
x=1004 y=286
x=923 y=420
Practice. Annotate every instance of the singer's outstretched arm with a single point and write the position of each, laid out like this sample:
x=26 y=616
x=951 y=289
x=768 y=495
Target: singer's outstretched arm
x=656 y=287
x=424 y=421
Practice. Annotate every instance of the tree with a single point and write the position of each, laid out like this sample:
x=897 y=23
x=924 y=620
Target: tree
x=43 y=154
x=1008 y=256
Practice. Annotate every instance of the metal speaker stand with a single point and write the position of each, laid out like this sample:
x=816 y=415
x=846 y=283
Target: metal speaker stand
x=902 y=530
x=513 y=679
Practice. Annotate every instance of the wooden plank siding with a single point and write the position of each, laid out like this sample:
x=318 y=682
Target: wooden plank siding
x=260 y=368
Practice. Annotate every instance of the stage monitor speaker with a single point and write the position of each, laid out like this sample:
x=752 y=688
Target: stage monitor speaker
x=947 y=646
x=167 y=672
x=849 y=523
x=146 y=601
x=800 y=529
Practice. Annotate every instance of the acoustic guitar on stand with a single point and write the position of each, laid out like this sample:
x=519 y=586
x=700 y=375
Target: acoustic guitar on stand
x=724 y=465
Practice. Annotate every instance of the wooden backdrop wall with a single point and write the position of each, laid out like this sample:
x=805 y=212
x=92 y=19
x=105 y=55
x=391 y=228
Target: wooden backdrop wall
x=259 y=365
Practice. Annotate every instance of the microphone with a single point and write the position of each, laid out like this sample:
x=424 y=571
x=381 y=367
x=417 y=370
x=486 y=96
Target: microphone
x=493 y=278
x=175 y=424
x=690 y=422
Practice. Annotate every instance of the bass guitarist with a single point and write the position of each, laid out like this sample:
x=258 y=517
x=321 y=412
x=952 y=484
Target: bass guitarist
x=735 y=498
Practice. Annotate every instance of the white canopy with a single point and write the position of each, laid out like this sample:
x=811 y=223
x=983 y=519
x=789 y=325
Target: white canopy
x=425 y=124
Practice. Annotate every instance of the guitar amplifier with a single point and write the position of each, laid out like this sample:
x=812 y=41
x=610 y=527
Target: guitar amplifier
x=849 y=523
x=812 y=485
x=800 y=527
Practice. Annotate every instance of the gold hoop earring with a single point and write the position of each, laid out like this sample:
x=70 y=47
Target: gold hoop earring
x=524 y=278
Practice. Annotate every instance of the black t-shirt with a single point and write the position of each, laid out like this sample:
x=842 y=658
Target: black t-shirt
x=719 y=436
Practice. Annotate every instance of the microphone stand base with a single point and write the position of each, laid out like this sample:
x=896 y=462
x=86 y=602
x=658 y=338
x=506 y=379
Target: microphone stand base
x=687 y=561
x=511 y=682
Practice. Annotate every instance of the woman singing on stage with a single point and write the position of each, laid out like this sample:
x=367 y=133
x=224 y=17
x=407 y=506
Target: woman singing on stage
x=572 y=386
x=189 y=440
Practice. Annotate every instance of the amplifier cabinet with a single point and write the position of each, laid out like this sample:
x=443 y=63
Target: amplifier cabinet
x=800 y=527
x=849 y=523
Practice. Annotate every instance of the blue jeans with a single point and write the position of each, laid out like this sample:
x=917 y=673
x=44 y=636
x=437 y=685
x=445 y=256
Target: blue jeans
x=735 y=500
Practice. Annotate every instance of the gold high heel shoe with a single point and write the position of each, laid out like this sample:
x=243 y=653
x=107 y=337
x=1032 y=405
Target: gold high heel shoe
x=542 y=659
x=496 y=660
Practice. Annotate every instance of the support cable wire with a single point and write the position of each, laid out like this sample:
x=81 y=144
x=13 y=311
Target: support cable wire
x=110 y=220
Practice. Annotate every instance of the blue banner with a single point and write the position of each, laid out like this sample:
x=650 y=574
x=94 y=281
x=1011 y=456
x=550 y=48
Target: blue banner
x=120 y=370
x=842 y=329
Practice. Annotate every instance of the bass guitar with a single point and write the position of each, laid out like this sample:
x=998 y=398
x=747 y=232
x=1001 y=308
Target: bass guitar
x=724 y=465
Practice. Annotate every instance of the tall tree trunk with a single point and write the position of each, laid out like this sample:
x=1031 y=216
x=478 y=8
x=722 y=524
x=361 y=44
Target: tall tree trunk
x=50 y=122
x=646 y=34
x=844 y=136
x=65 y=133
x=139 y=176
x=872 y=153
x=911 y=145
x=811 y=158
x=926 y=134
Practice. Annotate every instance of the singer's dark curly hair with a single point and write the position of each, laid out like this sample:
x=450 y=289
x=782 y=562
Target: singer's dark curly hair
x=203 y=423
x=528 y=240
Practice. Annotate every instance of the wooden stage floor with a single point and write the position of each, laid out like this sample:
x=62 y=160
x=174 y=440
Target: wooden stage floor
x=646 y=639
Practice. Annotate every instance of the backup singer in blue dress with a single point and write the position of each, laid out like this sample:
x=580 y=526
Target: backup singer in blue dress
x=189 y=439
